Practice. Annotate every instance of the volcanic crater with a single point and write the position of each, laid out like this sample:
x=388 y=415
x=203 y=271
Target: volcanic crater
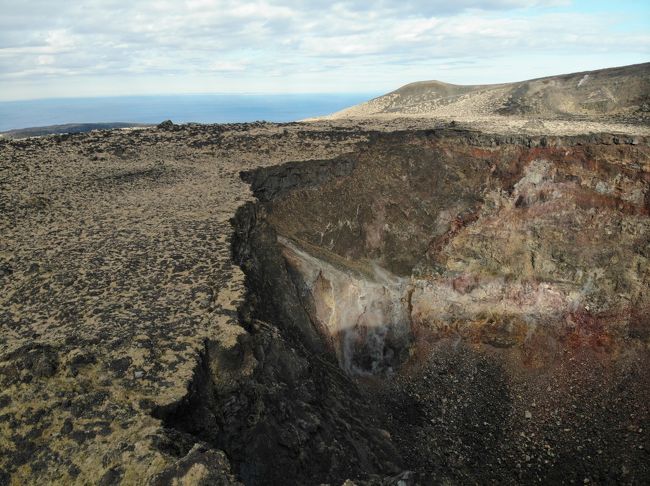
x=458 y=306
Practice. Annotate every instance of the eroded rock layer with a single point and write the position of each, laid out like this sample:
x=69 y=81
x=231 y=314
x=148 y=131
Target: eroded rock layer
x=500 y=240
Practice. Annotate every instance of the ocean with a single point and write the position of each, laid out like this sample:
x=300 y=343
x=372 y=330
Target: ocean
x=204 y=108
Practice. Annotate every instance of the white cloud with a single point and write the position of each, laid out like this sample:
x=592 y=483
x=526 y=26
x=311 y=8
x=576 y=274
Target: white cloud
x=222 y=45
x=45 y=60
x=229 y=66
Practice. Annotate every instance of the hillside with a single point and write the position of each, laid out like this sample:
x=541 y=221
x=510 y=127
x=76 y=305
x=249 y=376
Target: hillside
x=67 y=128
x=619 y=94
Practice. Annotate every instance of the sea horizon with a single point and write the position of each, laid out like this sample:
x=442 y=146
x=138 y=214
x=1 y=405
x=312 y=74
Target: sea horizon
x=180 y=108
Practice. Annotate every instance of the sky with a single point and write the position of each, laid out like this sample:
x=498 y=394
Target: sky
x=65 y=48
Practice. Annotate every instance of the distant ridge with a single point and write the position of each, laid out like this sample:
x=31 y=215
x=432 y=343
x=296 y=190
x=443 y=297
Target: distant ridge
x=621 y=93
x=68 y=128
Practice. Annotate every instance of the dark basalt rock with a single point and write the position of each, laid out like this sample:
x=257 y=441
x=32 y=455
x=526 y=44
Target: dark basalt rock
x=37 y=360
x=272 y=182
x=166 y=125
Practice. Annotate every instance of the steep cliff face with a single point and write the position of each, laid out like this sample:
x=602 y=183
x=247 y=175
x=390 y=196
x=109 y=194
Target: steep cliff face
x=542 y=235
x=363 y=317
x=520 y=263
x=274 y=399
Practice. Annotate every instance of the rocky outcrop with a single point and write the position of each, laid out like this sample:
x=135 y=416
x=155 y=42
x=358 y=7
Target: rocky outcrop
x=271 y=182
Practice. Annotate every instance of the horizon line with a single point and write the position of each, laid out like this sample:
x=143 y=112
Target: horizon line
x=206 y=93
